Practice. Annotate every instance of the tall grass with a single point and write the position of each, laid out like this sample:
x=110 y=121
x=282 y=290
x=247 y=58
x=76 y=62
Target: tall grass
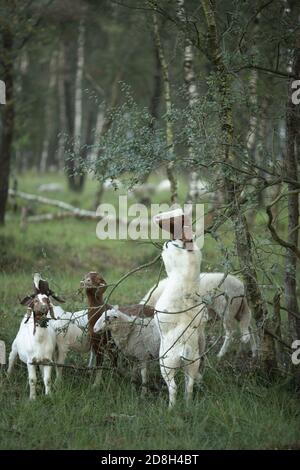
x=233 y=409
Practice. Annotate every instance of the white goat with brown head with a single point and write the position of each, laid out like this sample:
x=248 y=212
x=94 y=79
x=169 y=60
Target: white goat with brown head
x=180 y=314
x=35 y=341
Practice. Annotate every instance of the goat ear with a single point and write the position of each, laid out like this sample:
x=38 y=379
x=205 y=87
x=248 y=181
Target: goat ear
x=51 y=311
x=29 y=311
x=28 y=300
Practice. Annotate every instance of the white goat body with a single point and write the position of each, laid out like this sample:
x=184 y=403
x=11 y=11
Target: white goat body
x=136 y=337
x=34 y=347
x=225 y=298
x=180 y=317
x=72 y=334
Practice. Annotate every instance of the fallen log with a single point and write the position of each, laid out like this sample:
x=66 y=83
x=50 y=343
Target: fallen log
x=50 y=202
x=62 y=215
x=67 y=210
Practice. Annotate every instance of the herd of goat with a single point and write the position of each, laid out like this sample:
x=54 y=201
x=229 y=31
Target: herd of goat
x=168 y=324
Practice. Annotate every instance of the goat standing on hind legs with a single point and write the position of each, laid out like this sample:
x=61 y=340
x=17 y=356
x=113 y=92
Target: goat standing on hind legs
x=95 y=286
x=180 y=314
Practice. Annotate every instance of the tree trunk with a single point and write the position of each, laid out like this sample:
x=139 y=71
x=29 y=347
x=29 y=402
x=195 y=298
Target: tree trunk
x=8 y=120
x=74 y=113
x=292 y=135
x=62 y=109
x=105 y=125
x=48 y=125
x=156 y=93
x=78 y=89
x=192 y=96
x=169 y=126
x=242 y=235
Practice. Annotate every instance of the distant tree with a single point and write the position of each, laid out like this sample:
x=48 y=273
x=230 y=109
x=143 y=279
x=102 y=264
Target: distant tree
x=19 y=22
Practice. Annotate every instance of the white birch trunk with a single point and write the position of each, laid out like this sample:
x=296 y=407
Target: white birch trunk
x=78 y=88
x=62 y=110
x=168 y=103
x=192 y=96
x=48 y=113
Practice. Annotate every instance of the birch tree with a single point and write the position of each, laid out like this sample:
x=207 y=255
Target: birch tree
x=191 y=91
x=168 y=115
x=48 y=124
x=75 y=178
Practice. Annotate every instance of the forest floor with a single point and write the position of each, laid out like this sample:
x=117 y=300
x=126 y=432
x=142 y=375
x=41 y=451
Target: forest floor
x=235 y=408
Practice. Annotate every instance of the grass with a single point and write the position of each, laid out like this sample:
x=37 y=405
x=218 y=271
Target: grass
x=233 y=409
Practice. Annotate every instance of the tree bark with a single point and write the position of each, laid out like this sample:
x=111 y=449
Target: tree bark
x=292 y=135
x=105 y=125
x=74 y=112
x=62 y=108
x=192 y=95
x=78 y=89
x=48 y=125
x=168 y=103
x=156 y=93
x=8 y=120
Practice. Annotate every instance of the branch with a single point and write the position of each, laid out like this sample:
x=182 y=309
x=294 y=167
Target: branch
x=277 y=339
x=266 y=70
x=67 y=209
x=51 y=202
x=63 y=215
x=274 y=234
x=139 y=268
x=265 y=5
x=36 y=24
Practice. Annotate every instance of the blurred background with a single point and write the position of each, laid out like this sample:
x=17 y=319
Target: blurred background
x=164 y=101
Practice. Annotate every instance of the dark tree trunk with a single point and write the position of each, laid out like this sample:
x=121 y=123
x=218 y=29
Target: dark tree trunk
x=292 y=131
x=156 y=93
x=8 y=121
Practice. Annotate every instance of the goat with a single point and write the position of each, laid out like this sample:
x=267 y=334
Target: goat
x=35 y=341
x=179 y=312
x=226 y=300
x=136 y=337
x=71 y=335
x=143 y=193
x=181 y=318
x=95 y=286
x=70 y=328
